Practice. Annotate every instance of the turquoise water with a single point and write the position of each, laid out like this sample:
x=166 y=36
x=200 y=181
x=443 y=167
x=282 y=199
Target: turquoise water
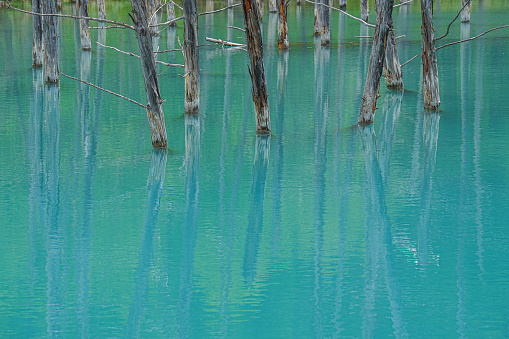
x=323 y=229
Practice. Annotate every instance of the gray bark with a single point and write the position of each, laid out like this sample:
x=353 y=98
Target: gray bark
x=257 y=70
x=154 y=107
x=376 y=60
x=324 y=22
x=260 y=9
x=342 y=4
x=282 y=26
x=273 y=6
x=365 y=10
x=86 y=44
x=318 y=17
x=51 y=70
x=191 y=57
x=152 y=17
x=170 y=10
x=37 y=50
x=465 y=14
x=392 y=68
x=101 y=9
x=430 y=88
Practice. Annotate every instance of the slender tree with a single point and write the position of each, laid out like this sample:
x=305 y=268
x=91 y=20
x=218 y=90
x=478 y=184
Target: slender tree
x=324 y=22
x=376 y=60
x=191 y=57
x=257 y=70
x=86 y=44
x=154 y=108
x=392 y=67
x=170 y=10
x=282 y=26
x=37 y=50
x=51 y=70
x=365 y=10
x=467 y=8
x=430 y=88
x=101 y=9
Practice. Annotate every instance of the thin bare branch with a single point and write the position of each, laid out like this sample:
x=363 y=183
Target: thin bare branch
x=105 y=90
x=72 y=17
x=403 y=64
x=345 y=13
x=176 y=4
x=456 y=17
x=137 y=56
x=108 y=27
x=169 y=50
x=219 y=10
x=224 y=42
x=470 y=39
x=240 y=29
x=403 y=3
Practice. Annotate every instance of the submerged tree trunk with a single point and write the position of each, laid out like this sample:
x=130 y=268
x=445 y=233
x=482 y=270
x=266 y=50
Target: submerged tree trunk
x=342 y=4
x=154 y=107
x=257 y=70
x=191 y=57
x=376 y=61
x=465 y=13
x=37 y=50
x=51 y=70
x=392 y=68
x=431 y=94
x=101 y=9
x=152 y=17
x=318 y=17
x=365 y=9
x=170 y=11
x=273 y=6
x=324 y=21
x=84 y=28
x=282 y=26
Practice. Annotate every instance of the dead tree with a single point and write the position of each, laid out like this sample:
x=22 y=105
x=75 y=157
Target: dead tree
x=318 y=17
x=272 y=6
x=431 y=94
x=342 y=4
x=51 y=70
x=37 y=50
x=392 y=68
x=365 y=10
x=154 y=108
x=84 y=27
x=376 y=61
x=191 y=57
x=170 y=10
x=257 y=70
x=324 y=22
x=101 y=9
x=282 y=26
x=467 y=8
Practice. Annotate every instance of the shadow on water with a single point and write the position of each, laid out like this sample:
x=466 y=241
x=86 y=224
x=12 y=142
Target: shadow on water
x=255 y=217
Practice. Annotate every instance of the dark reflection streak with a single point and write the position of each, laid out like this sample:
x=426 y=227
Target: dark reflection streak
x=55 y=287
x=192 y=186
x=37 y=187
x=464 y=184
x=155 y=182
x=322 y=57
x=277 y=190
x=255 y=218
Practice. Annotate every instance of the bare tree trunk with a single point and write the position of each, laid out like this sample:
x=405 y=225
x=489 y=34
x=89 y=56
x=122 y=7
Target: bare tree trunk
x=376 y=61
x=84 y=28
x=257 y=70
x=318 y=17
x=324 y=21
x=101 y=9
x=342 y=4
x=151 y=17
x=191 y=57
x=365 y=10
x=37 y=50
x=282 y=26
x=170 y=9
x=272 y=6
x=260 y=9
x=154 y=107
x=51 y=70
x=430 y=88
x=59 y=4
x=465 y=13
x=392 y=68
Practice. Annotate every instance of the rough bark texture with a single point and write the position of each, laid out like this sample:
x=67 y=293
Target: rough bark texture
x=260 y=9
x=365 y=10
x=37 y=50
x=152 y=17
x=273 y=6
x=392 y=67
x=170 y=10
x=465 y=14
x=51 y=70
x=282 y=26
x=342 y=4
x=324 y=21
x=257 y=70
x=431 y=94
x=191 y=57
x=376 y=61
x=318 y=17
x=86 y=44
x=154 y=108
x=101 y=9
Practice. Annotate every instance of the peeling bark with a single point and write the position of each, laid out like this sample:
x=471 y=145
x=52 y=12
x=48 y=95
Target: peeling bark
x=51 y=70
x=257 y=69
x=282 y=26
x=86 y=44
x=170 y=10
x=191 y=57
x=37 y=50
x=431 y=94
x=324 y=21
x=273 y=8
x=392 y=68
x=101 y=9
x=365 y=10
x=376 y=61
x=465 y=13
x=318 y=17
x=151 y=17
x=154 y=107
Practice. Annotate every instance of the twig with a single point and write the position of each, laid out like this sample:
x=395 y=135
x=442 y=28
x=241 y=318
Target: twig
x=107 y=27
x=399 y=37
x=181 y=48
x=469 y=39
x=167 y=23
x=403 y=64
x=137 y=56
x=168 y=50
x=456 y=17
x=176 y=4
x=403 y=3
x=345 y=13
x=102 y=89
x=183 y=76
x=224 y=42
x=219 y=10
x=72 y=17
x=240 y=29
